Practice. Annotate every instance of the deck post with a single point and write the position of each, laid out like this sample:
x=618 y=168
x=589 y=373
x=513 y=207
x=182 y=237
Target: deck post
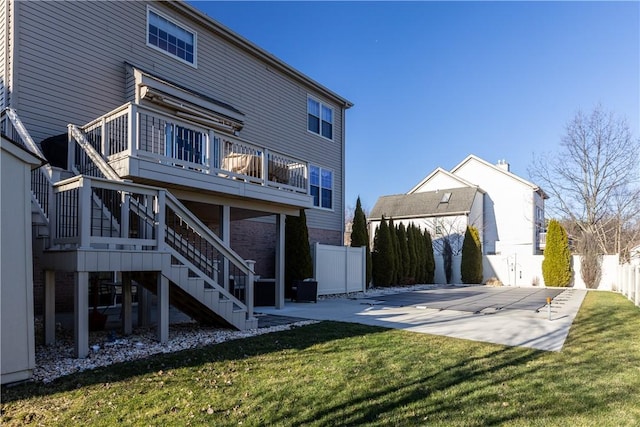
x=280 y=260
x=144 y=306
x=81 y=314
x=127 y=323
x=163 y=308
x=132 y=148
x=49 y=307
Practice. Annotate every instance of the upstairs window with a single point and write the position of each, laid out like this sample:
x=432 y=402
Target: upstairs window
x=320 y=118
x=321 y=187
x=170 y=37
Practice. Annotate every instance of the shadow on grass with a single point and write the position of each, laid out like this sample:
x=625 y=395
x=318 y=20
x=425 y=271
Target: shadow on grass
x=297 y=338
x=378 y=376
x=599 y=366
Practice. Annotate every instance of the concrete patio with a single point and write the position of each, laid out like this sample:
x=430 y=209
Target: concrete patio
x=504 y=315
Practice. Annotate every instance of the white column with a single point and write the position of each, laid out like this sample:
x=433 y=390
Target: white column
x=81 y=314
x=280 y=260
x=163 y=309
x=49 y=307
x=127 y=323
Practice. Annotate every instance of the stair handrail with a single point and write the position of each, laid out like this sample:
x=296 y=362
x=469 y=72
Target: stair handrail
x=44 y=173
x=105 y=168
x=22 y=131
x=207 y=233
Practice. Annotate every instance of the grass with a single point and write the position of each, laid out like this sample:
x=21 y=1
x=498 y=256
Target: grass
x=346 y=374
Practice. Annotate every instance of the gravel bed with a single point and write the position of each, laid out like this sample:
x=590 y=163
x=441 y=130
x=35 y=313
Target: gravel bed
x=107 y=347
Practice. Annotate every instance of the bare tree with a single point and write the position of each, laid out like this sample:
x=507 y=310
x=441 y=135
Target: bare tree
x=593 y=179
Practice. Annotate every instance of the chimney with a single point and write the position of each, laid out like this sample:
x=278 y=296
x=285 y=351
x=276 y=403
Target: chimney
x=503 y=164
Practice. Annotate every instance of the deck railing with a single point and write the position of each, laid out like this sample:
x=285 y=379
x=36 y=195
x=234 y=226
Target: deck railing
x=94 y=212
x=100 y=213
x=142 y=131
x=41 y=178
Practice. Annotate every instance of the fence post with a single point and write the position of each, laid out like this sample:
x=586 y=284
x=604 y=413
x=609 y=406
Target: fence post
x=363 y=263
x=637 y=285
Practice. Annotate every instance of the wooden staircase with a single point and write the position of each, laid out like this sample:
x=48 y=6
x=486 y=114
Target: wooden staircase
x=96 y=210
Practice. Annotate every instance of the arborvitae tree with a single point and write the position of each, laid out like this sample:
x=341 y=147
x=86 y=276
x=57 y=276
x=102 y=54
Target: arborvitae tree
x=297 y=259
x=360 y=236
x=471 y=267
x=420 y=255
x=403 y=260
x=413 y=264
x=396 y=252
x=556 y=265
x=447 y=259
x=382 y=256
x=430 y=260
x=415 y=244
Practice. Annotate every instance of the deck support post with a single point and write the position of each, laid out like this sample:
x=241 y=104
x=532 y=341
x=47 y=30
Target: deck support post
x=144 y=306
x=280 y=218
x=163 y=309
x=81 y=314
x=49 y=307
x=127 y=323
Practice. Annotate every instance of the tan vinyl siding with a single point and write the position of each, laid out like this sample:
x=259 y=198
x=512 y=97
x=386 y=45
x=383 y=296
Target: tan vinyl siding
x=72 y=70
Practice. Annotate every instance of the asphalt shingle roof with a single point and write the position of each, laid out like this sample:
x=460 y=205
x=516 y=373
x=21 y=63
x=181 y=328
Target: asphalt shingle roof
x=428 y=203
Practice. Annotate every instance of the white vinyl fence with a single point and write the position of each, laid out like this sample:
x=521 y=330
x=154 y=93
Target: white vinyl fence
x=526 y=270
x=339 y=269
x=629 y=282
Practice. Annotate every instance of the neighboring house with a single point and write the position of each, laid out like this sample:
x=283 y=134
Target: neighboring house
x=444 y=213
x=184 y=147
x=507 y=210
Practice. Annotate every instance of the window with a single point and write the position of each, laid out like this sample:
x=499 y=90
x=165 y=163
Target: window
x=445 y=198
x=320 y=118
x=321 y=186
x=174 y=39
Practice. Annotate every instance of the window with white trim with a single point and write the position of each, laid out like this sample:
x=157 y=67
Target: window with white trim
x=321 y=186
x=170 y=37
x=319 y=118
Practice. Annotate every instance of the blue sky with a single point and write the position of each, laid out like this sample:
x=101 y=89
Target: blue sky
x=433 y=82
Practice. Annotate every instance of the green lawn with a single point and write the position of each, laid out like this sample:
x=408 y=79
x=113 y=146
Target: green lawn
x=346 y=374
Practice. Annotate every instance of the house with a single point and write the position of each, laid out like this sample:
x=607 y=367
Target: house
x=507 y=210
x=177 y=148
x=444 y=213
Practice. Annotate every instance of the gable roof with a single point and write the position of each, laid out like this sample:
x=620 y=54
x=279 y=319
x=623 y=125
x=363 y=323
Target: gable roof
x=440 y=171
x=472 y=157
x=425 y=204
